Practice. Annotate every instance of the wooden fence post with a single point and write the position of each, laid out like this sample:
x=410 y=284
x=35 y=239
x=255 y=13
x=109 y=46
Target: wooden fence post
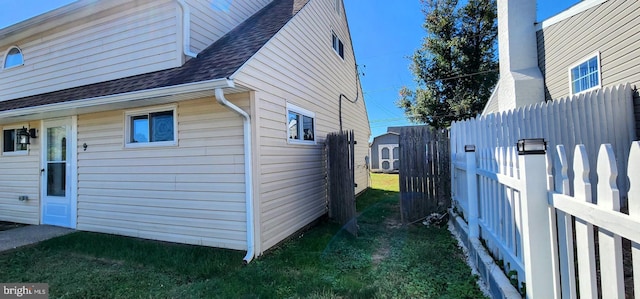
x=472 y=191
x=536 y=226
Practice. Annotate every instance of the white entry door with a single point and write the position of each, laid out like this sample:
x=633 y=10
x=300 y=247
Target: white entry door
x=58 y=173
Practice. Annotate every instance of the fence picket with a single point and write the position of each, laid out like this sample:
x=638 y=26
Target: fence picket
x=622 y=121
x=576 y=120
x=540 y=113
x=628 y=104
x=516 y=210
x=611 y=268
x=584 y=230
x=600 y=124
x=555 y=240
x=564 y=122
x=634 y=209
x=530 y=118
x=613 y=120
x=507 y=206
x=495 y=193
x=593 y=108
x=565 y=231
x=554 y=125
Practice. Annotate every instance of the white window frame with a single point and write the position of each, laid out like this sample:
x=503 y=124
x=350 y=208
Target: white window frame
x=303 y=112
x=335 y=44
x=127 y=127
x=581 y=61
x=6 y=54
x=15 y=152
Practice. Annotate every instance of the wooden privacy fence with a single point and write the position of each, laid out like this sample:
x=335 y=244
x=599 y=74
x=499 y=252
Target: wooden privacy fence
x=424 y=172
x=340 y=172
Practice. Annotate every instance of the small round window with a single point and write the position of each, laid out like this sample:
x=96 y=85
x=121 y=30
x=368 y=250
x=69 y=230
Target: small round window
x=14 y=58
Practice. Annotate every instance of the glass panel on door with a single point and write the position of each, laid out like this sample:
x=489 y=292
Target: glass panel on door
x=56 y=161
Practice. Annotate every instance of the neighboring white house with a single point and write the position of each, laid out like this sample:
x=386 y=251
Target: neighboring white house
x=173 y=119
x=590 y=45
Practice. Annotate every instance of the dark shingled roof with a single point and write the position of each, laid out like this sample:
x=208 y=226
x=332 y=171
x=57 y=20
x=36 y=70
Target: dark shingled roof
x=220 y=60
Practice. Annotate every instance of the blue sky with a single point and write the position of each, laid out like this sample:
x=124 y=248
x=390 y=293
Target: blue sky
x=385 y=34
x=384 y=37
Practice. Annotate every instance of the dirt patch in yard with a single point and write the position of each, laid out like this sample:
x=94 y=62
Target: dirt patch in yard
x=384 y=249
x=381 y=253
x=392 y=223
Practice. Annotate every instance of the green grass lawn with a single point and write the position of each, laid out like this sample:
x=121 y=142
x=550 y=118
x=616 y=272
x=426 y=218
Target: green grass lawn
x=386 y=260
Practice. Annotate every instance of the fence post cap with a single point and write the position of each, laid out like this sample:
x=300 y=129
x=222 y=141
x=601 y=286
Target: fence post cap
x=533 y=146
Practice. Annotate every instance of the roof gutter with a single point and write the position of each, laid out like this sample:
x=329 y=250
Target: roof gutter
x=248 y=171
x=186 y=29
x=119 y=98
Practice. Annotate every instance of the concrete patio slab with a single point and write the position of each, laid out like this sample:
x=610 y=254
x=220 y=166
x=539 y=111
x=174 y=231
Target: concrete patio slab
x=31 y=234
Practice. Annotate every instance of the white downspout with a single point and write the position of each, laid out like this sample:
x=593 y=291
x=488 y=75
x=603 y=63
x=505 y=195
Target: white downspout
x=186 y=27
x=248 y=170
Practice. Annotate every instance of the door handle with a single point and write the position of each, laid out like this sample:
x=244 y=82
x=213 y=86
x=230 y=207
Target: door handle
x=42 y=170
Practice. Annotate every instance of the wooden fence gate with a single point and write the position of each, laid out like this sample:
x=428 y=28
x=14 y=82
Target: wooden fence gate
x=425 y=185
x=340 y=172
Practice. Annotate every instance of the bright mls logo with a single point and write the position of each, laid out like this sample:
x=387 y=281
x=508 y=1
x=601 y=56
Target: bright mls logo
x=221 y=5
x=24 y=291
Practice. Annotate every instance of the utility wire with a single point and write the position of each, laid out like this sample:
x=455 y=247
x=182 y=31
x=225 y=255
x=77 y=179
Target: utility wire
x=434 y=80
x=462 y=76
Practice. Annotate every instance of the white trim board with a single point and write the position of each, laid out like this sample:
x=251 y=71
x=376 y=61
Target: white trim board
x=569 y=12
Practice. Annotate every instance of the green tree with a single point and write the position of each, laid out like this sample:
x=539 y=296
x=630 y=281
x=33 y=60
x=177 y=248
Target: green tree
x=456 y=67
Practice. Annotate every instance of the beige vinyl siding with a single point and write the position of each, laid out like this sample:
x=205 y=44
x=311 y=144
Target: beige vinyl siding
x=208 y=23
x=299 y=66
x=191 y=193
x=612 y=28
x=20 y=175
x=119 y=42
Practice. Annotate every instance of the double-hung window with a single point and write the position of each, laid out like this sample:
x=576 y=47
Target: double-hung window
x=300 y=125
x=585 y=75
x=10 y=143
x=338 y=46
x=151 y=127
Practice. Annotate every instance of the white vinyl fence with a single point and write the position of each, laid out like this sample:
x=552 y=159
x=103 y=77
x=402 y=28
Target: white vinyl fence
x=513 y=206
x=594 y=118
x=612 y=225
x=524 y=207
